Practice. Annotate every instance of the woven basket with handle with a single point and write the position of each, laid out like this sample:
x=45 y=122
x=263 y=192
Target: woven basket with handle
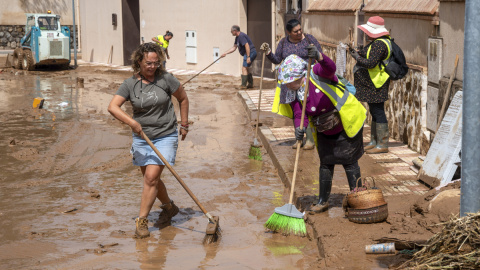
x=365 y=197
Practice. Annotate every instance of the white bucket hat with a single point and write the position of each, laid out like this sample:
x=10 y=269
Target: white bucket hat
x=375 y=27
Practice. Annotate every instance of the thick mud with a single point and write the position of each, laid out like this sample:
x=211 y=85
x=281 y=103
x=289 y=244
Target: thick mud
x=69 y=192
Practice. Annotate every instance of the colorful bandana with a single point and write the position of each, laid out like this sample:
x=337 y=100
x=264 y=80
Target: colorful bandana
x=291 y=69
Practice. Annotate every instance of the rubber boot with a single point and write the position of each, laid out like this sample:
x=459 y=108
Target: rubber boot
x=352 y=177
x=244 y=82
x=373 y=137
x=249 y=80
x=325 y=189
x=310 y=143
x=382 y=139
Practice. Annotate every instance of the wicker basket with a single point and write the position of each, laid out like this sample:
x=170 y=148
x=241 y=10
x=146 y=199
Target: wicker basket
x=370 y=215
x=367 y=198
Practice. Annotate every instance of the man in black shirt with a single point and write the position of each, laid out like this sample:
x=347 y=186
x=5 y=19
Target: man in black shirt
x=247 y=50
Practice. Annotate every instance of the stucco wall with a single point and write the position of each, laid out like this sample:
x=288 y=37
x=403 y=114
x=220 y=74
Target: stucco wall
x=13 y=12
x=328 y=27
x=98 y=34
x=411 y=35
x=452 y=25
x=212 y=21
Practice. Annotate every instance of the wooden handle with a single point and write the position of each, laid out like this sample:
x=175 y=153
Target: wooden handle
x=260 y=96
x=174 y=173
x=201 y=71
x=299 y=143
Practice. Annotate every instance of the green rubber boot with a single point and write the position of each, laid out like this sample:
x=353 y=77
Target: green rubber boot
x=373 y=137
x=382 y=136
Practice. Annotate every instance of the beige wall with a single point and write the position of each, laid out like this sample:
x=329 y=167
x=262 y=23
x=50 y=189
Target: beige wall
x=452 y=29
x=210 y=19
x=13 y=12
x=98 y=34
x=329 y=28
x=412 y=36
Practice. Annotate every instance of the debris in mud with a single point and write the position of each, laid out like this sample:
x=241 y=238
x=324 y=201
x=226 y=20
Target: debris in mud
x=457 y=246
x=71 y=210
x=118 y=234
x=12 y=142
x=97 y=250
x=107 y=245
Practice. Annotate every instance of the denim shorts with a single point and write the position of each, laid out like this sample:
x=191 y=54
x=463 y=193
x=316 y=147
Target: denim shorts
x=144 y=155
x=253 y=55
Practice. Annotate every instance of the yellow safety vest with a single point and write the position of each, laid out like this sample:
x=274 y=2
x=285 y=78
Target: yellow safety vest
x=164 y=42
x=352 y=113
x=282 y=109
x=378 y=74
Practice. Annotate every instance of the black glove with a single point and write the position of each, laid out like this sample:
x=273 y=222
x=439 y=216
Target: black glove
x=313 y=52
x=354 y=54
x=299 y=132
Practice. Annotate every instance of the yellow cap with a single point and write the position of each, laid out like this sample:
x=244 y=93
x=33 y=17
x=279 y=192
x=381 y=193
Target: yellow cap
x=49 y=11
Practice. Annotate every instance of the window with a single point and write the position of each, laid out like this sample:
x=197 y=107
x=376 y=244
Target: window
x=47 y=23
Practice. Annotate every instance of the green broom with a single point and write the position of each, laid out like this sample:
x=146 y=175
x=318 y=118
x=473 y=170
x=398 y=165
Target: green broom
x=255 y=152
x=287 y=219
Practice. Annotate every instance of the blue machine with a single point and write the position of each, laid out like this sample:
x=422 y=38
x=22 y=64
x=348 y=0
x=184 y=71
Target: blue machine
x=45 y=43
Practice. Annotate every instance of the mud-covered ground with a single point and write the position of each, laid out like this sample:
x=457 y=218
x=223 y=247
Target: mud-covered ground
x=69 y=192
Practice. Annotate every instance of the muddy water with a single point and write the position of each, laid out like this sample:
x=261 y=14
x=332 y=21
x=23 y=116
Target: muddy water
x=69 y=193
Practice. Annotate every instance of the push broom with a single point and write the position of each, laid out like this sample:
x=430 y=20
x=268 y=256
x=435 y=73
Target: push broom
x=287 y=219
x=255 y=152
x=213 y=228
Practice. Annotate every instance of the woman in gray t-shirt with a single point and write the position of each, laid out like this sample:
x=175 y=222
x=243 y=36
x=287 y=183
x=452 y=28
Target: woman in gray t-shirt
x=149 y=91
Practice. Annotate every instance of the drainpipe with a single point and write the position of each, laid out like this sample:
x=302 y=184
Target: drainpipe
x=274 y=27
x=470 y=190
x=74 y=35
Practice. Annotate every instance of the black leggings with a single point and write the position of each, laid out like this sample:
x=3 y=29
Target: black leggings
x=377 y=110
x=347 y=167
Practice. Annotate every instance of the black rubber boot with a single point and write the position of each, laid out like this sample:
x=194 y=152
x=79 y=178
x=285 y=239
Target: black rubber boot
x=373 y=136
x=352 y=177
x=249 y=80
x=325 y=188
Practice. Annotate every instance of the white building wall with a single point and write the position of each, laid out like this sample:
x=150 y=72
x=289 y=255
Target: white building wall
x=98 y=34
x=211 y=19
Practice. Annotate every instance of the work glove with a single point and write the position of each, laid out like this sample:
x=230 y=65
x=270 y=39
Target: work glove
x=354 y=54
x=313 y=52
x=299 y=132
x=265 y=47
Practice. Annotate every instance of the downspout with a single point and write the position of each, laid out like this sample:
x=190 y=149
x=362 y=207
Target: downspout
x=274 y=23
x=79 y=26
x=470 y=190
x=74 y=35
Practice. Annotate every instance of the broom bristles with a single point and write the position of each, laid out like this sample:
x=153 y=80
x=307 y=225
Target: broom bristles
x=255 y=153
x=286 y=225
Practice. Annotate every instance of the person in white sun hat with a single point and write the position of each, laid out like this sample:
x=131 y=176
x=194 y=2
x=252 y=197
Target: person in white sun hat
x=372 y=82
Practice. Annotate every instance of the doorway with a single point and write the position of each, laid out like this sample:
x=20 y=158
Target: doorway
x=259 y=29
x=131 y=28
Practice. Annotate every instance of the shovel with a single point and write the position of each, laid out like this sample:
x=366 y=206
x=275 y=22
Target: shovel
x=213 y=229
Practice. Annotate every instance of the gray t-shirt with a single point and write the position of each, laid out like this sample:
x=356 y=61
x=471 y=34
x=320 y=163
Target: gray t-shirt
x=152 y=104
